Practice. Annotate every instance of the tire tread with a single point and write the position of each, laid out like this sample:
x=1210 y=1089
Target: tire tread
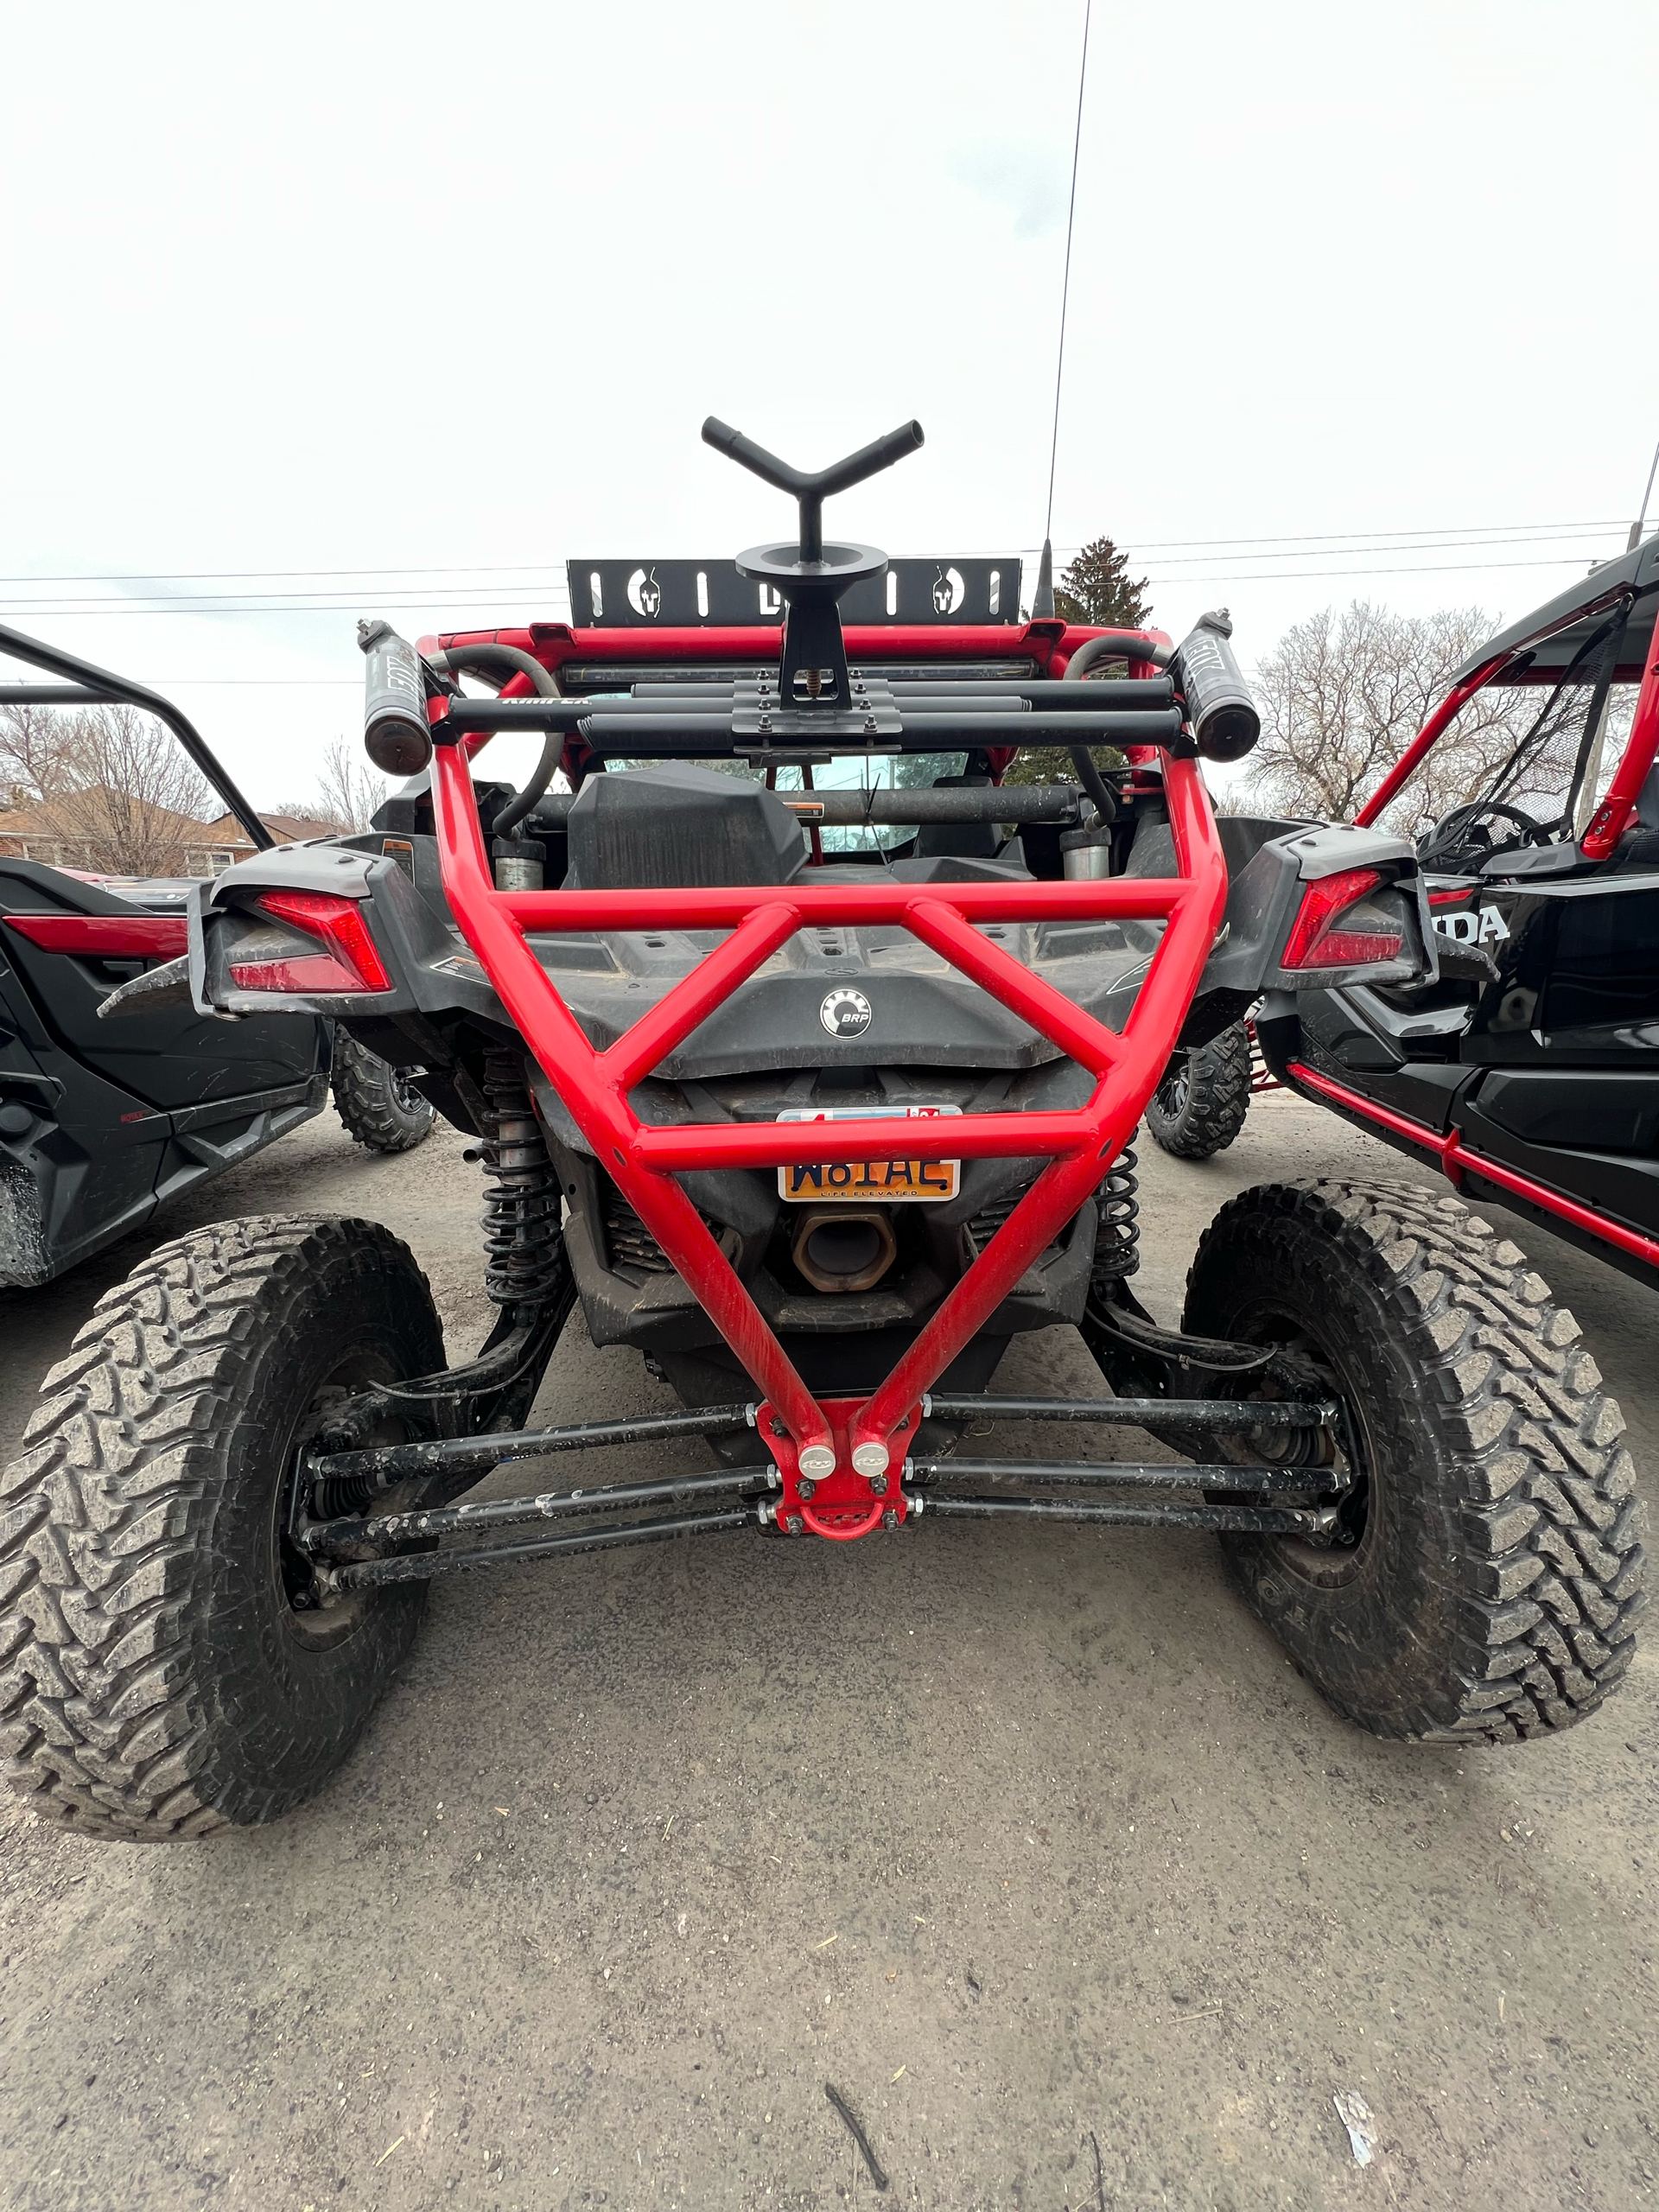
x=106 y=1543
x=369 y=1113
x=1550 y=1567
x=1218 y=1098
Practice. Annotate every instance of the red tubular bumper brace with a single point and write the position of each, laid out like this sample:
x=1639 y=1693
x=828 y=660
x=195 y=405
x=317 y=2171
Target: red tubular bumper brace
x=1080 y=1144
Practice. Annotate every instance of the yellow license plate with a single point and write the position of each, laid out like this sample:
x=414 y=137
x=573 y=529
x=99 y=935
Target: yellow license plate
x=863 y=1181
x=868 y=1182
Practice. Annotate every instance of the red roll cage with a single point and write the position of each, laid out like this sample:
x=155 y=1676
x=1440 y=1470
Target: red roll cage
x=1613 y=816
x=840 y=1448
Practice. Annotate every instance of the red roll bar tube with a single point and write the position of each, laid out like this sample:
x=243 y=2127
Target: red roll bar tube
x=1430 y=734
x=1080 y=1144
x=1611 y=817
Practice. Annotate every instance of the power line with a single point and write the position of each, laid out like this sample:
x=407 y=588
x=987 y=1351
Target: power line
x=1334 y=575
x=540 y=608
x=1418 y=530
x=1406 y=545
x=1259 y=549
x=550 y=598
x=186 y=602
x=243 y=576
x=1480 y=532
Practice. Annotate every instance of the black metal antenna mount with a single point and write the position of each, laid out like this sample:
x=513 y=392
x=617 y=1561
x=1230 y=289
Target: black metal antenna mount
x=812 y=488
x=810 y=577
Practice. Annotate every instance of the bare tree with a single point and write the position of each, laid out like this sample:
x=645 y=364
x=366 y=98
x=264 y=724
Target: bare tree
x=108 y=784
x=347 y=794
x=1342 y=695
x=350 y=793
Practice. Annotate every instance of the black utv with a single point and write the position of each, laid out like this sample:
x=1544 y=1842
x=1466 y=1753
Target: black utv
x=115 y=1093
x=1527 y=1065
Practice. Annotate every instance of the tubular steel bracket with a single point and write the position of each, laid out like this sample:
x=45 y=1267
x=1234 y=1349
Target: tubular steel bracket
x=647 y=1161
x=846 y=1499
x=354 y=1551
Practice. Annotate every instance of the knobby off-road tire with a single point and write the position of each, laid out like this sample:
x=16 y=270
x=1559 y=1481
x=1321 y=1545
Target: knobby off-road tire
x=156 y=1678
x=376 y=1101
x=1199 y=1106
x=1493 y=1592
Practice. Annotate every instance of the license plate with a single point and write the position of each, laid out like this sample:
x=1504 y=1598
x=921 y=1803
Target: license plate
x=860 y=1180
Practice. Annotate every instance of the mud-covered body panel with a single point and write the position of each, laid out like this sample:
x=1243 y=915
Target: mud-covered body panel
x=101 y=1122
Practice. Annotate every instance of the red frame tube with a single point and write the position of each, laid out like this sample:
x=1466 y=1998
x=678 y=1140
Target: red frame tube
x=1080 y=1144
x=1611 y=817
x=1430 y=734
x=1608 y=824
x=1456 y=1160
x=1049 y=644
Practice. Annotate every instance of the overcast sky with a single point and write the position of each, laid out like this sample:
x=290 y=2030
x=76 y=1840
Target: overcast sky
x=353 y=310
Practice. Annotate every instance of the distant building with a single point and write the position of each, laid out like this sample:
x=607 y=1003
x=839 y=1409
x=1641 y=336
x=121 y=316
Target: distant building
x=226 y=841
x=108 y=833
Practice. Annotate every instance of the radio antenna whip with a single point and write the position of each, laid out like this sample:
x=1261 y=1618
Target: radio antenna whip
x=1635 y=527
x=1043 y=603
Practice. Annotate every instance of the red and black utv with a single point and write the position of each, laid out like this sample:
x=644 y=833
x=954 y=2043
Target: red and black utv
x=805 y=1056
x=1528 y=1066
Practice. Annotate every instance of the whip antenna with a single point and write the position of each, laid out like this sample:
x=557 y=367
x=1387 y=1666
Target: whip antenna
x=1635 y=527
x=1043 y=603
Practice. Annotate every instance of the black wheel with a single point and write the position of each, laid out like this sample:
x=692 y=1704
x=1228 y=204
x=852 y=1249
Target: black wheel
x=163 y=1671
x=377 y=1103
x=1486 y=1577
x=1199 y=1106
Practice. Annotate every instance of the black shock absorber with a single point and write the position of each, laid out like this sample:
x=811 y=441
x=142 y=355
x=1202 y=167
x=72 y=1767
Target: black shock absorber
x=1117 y=1232
x=526 y=1263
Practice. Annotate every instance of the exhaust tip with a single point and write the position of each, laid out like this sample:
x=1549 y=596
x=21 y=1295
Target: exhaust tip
x=838 y=1250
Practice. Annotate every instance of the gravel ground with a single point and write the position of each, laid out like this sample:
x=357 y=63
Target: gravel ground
x=1030 y=1840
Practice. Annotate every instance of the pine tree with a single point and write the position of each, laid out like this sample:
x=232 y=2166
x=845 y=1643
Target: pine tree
x=1097 y=588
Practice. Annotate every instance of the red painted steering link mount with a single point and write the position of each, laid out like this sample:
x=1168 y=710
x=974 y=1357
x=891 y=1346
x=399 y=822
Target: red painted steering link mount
x=842 y=1503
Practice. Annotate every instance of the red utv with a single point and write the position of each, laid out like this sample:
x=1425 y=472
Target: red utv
x=804 y=1056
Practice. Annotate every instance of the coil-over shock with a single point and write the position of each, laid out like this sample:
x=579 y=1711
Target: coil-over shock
x=1117 y=1227
x=525 y=1263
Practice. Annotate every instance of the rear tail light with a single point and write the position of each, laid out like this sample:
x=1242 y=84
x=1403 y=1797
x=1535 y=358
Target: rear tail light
x=1344 y=923
x=346 y=961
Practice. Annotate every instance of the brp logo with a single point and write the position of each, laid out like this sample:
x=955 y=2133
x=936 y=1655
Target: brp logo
x=645 y=594
x=949 y=591
x=846 y=1012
